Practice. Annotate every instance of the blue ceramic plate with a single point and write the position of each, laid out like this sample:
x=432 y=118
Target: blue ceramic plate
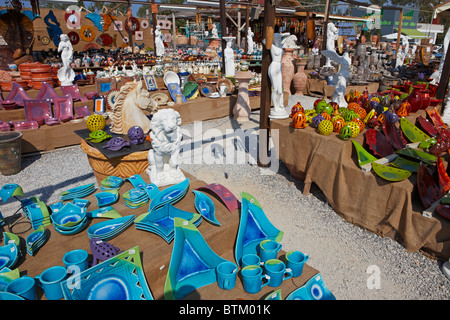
x=135 y=195
x=10 y=190
x=314 y=289
x=6 y=276
x=192 y=264
x=205 y=206
x=74 y=230
x=152 y=190
x=78 y=192
x=253 y=228
x=136 y=181
x=111 y=182
x=118 y=278
x=10 y=296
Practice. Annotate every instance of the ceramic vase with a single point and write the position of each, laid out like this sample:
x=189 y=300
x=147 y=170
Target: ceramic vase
x=288 y=68
x=415 y=99
x=425 y=99
x=300 y=77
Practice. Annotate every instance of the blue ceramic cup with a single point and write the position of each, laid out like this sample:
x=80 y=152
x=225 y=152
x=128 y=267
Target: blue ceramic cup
x=268 y=249
x=226 y=275
x=76 y=261
x=50 y=280
x=295 y=261
x=250 y=259
x=276 y=270
x=254 y=279
x=24 y=287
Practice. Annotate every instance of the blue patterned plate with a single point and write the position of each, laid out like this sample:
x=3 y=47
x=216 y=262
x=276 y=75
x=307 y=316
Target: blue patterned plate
x=10 y=190
x=314 y=289
x=108 y=229
x=107 y=198
x=9 y=255
x=104 y=212
x=205 y=206
x=171 y=194
x=118 y=278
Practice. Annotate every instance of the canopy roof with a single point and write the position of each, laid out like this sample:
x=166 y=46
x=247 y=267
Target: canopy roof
x=414 y=33
x=442 y=10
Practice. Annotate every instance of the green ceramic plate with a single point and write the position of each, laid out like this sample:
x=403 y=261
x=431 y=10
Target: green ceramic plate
x=390 y=173
x=413 y=133
x=364 y=157
x=405 y=164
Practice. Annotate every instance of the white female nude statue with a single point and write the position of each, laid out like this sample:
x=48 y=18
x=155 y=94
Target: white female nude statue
x=250 y=43
x=230 y=69
x=159 y=42
x=65 y=74
x=276 y=78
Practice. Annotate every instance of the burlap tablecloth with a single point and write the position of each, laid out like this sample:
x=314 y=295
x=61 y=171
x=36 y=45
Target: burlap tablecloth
x=389 y=209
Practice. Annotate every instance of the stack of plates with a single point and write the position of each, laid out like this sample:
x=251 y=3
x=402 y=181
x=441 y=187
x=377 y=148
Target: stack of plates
x=35 y=240
x=111 y=183
x=9 y=254
x=152 y=190
x=105 y=212
x=82 y=203
x=161 y=221
x=137 y=181
x=109 y=229
x=37 y=212
x=78 y=192
x=135 y=198
x=171 y=195
x=70 y=219
x=106 y=198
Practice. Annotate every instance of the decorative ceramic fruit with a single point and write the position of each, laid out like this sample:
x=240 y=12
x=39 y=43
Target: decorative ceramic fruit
x=320 y=106
x=345 y=133
x=362 y=113
x=299 y=120
x=404 y=109
x=349 y=116
x=337 y=117
x=360 y=123
x=381 y=118
x=338 y=124
x=325 y=127
x=328 y=109
x=316 y=120
x=326 y=115
x=352 y=106
x=355 y=129
x=95 y=122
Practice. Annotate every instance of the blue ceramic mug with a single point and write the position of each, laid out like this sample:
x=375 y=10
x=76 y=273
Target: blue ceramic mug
x=268 y=249
x=295 y=261
x=24 y=287
x=50 y=281
x=76 y=260
x=226 y=275
x=253 y=279
x=276 y=270
x=250 y=259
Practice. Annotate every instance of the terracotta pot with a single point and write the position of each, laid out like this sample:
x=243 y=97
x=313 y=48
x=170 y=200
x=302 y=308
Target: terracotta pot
x=6 y=86
x=300 y=77
x=288 y=69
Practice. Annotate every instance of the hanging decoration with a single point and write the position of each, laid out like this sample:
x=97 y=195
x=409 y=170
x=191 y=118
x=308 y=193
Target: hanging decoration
x=164 y=24
x=132 y=25
x=139 y=35
x=105 y=40
x=145 y=24
x=96 y=19
x=87 y=33
x=53 y=27
x=108 y=20
x=73 y=37
x=167 y=37
x=73 y=17
x=118 y=25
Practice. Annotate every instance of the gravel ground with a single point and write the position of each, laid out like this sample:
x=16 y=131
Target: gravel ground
x=348 y=257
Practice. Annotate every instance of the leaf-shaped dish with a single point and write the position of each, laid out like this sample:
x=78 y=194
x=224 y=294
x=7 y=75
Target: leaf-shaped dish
x=108 y=229
x=394 y=135
x=429 y=190
x=436 y=118
x=378 y=143
x=444 y=179
x=205 y=206
x=136 y=181
x=171 y=194
x=192 y=264
x=7 y=276
x=111 y=182
x=418 y=155
x=427 y=126
x=443 y=210
x=411 y=132
x=390 y=173
x=228 y=198
x=8 y=256
x=364 y=157
x=405 y=164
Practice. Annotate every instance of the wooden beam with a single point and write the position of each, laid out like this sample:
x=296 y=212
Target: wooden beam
x=266 y=87
x=326 y=19
x=443 y=81
x=154 y=25
x=399 y=33
x=223 y=32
